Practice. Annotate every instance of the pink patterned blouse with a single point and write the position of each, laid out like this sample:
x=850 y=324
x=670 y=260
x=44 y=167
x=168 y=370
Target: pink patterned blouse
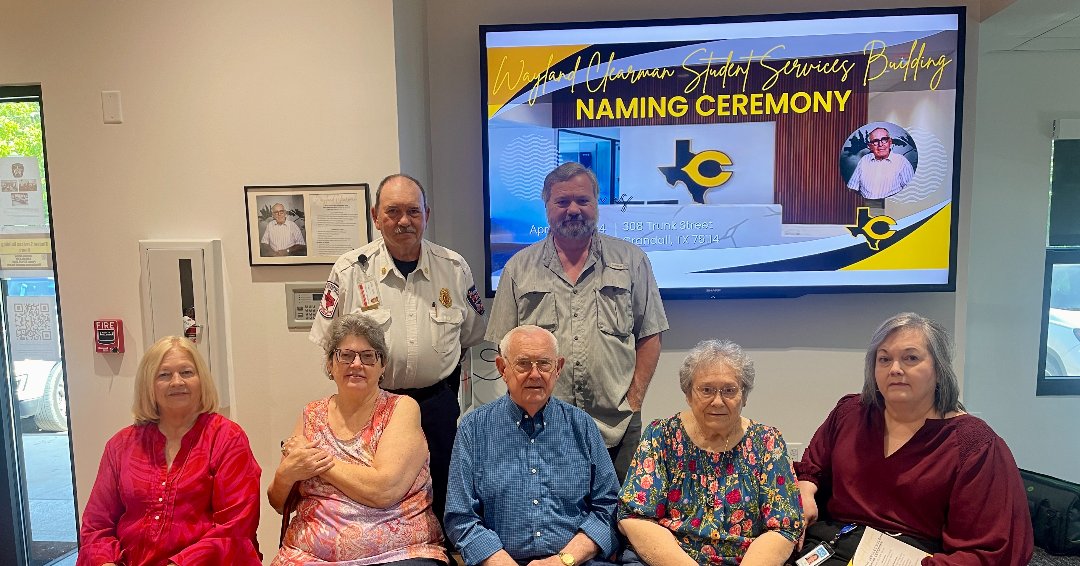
x=331 y=528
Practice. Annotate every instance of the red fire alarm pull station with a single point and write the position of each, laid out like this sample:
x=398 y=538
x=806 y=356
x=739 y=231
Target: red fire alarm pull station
x=109 y=336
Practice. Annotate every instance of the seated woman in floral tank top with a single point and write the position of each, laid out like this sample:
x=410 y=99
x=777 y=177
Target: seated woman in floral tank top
x=360 y=461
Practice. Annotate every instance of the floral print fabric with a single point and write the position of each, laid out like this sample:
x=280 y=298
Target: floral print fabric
x=331 y=528
x=714 y=503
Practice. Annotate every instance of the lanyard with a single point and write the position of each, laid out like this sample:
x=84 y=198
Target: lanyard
x=843 y=531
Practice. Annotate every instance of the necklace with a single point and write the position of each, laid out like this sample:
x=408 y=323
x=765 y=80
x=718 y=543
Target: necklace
x=702 y=439
x=732 y=436
x=356 y=420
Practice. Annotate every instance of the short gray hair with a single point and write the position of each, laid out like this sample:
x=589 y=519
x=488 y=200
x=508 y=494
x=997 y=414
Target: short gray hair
x=388 y=178
x=564 y=173
x=939 y=344
x=504 y=344
x=360 y=326
x=711 y=352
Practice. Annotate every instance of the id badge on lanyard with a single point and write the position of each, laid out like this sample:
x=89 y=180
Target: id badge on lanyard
x=820 y=553
x=817 y=555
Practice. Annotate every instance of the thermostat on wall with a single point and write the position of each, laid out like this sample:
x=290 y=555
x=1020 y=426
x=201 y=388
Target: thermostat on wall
x=302 y=302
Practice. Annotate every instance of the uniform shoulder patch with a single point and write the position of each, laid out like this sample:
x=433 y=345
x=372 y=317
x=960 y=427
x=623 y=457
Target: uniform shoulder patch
x=329 y=300
x=474 y=300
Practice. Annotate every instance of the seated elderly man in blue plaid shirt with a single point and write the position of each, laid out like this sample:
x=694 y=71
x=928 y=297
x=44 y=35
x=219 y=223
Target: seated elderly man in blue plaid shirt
x=531 y=481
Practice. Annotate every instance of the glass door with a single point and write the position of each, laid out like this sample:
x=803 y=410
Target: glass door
x=37 y=496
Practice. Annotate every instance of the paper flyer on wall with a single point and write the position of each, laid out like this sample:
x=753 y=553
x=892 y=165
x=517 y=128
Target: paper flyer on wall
x=21 y=203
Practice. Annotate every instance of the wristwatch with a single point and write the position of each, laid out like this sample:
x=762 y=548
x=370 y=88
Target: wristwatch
x=566 y=558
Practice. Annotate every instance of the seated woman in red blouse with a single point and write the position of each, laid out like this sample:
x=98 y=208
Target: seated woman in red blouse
x=180 y=486
x=904 y=458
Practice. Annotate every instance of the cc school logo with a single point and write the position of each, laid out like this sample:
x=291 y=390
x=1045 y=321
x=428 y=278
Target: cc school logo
x=698 y=171
x=875 y=229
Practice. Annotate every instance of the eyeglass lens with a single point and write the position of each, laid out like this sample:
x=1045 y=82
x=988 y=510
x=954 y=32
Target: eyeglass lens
x=367 y=357
x=526 y=366
x=708 y=392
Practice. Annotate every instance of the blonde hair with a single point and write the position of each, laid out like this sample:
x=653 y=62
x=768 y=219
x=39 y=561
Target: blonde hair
x=144 y=407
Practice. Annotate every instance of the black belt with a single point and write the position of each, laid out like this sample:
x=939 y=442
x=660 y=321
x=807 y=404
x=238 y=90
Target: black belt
x=448 y=383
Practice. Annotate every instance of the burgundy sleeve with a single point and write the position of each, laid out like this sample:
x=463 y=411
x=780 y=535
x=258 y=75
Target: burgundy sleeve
x=816 y=463
x=98 y=541
x=235 y=506
x=988 y=520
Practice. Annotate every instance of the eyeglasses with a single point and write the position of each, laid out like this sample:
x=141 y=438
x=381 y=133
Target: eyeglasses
x=279 y=212
x=880 y=141
x=709 y=392
x=367 y=357
x=543 y=366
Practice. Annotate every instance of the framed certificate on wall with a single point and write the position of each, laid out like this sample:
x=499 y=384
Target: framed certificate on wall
x=306 y=224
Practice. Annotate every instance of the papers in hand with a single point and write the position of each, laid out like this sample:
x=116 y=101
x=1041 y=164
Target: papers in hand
x=879 y=549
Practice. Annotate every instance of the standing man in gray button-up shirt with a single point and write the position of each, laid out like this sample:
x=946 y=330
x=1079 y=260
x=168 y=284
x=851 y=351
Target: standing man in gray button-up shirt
x=597 y=294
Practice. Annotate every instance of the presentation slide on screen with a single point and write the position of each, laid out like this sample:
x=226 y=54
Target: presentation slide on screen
x=809 y=152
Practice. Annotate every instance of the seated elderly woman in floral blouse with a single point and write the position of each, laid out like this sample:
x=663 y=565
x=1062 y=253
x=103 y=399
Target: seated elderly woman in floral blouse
x=709 y=485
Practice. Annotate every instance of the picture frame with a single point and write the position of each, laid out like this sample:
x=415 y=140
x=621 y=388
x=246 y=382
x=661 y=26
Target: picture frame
x=306 y=224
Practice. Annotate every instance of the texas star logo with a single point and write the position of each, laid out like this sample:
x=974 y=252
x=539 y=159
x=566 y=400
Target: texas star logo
x=700 y=172
x=875 y=228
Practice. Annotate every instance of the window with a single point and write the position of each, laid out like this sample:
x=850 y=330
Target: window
x=1059 y=360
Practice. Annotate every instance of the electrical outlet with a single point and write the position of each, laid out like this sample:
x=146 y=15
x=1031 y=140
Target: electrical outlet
x=794 y=451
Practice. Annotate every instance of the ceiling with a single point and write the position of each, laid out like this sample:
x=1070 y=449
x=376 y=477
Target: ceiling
x=1031 y=25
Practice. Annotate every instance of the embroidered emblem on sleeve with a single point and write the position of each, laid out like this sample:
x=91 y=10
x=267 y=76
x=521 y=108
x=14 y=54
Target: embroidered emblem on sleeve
x=474 y=300
x=329 y=300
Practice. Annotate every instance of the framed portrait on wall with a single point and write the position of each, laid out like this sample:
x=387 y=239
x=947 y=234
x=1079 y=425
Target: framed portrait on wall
x=306 y=224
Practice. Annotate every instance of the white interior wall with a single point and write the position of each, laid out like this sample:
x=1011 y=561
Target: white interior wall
x=808 y=350
x=216 y=95
x=1019 y=96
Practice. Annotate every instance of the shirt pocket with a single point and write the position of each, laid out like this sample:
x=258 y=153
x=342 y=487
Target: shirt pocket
x=613 y=304
x=492 y=485
x=536 y=305
x=572 y=482
x=380 y=316
x=446 y=329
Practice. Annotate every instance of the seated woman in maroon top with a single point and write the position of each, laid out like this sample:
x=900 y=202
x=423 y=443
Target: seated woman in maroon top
x=904 y=458
x=180 y=486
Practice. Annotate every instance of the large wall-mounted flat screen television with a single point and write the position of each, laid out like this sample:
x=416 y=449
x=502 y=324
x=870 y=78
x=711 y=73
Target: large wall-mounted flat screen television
x=772 y=155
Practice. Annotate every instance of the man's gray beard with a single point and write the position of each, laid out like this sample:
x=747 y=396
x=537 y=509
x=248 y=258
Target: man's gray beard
x=575 y=229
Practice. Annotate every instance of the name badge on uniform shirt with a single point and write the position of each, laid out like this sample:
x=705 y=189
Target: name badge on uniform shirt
x=369 y=294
